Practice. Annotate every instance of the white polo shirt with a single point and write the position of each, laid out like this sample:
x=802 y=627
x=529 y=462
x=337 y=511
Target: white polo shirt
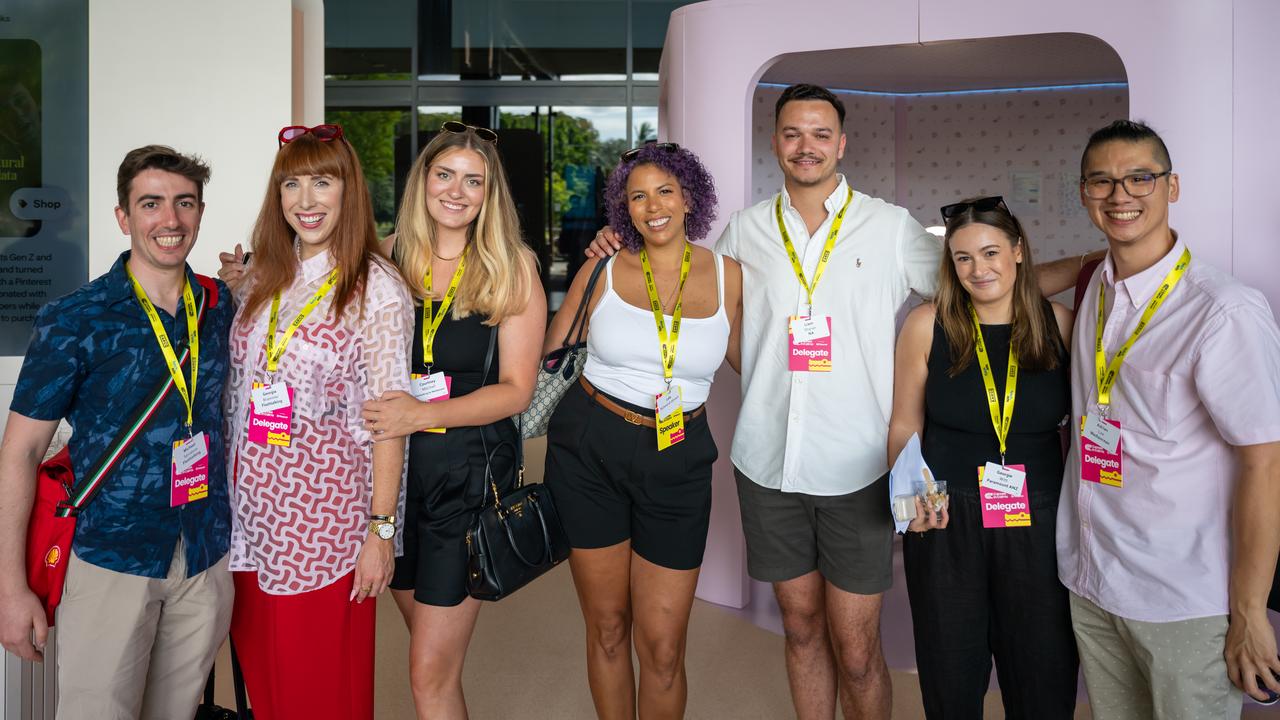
x=823 y=433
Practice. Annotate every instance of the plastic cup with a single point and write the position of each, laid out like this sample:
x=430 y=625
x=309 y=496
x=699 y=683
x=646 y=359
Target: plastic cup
x=932 y=494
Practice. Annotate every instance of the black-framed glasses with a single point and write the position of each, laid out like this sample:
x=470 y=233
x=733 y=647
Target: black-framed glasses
x=1137 y=185
x=980 y=204
x=634 y=153
x=483 y=133
x=323 y=133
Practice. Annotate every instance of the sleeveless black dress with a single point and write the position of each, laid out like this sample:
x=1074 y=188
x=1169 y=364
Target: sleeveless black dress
x=976 y=592
x=446 y=470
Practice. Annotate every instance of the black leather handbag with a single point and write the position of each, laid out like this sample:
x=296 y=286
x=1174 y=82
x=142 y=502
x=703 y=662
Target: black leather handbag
x=516 y=537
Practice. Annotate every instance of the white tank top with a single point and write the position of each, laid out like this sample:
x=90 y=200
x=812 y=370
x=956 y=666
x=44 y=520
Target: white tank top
x=625 y=358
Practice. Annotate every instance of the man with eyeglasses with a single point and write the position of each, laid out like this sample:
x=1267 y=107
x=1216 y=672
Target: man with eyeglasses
x=1167 y=529
x=135 y=362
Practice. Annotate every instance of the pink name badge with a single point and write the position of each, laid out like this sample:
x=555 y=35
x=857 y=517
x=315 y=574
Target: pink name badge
x=1097 y=465
x=1002 y=510
x=431 y=388
x=190 y=470
x=809 y=343
x=274 y=426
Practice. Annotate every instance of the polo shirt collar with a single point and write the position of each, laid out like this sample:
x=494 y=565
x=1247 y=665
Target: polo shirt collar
x=1142 y=286
x=833 y=203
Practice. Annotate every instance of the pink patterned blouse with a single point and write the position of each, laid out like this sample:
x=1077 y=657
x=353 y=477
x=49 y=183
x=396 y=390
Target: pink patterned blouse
x=300 y=513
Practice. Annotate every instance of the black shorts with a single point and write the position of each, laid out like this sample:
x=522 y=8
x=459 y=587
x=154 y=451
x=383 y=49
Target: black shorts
x=611 y=483
x=445 y=487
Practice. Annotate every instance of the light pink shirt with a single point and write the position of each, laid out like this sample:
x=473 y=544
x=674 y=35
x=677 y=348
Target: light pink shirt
x=1203 y=377
x=300 y=514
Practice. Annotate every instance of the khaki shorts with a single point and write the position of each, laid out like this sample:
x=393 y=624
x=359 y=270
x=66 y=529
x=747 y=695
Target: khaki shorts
x=847 y=538
x=1144 y=670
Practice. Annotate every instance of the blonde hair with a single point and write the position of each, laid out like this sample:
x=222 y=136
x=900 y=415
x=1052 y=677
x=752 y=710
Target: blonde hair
x=496 y=283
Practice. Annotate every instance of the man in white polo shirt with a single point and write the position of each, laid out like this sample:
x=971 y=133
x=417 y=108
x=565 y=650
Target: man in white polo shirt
x=809 y=447
x=1168 y=528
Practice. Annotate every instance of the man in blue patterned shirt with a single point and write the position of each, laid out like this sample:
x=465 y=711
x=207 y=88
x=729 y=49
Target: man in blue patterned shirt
x=147 y=599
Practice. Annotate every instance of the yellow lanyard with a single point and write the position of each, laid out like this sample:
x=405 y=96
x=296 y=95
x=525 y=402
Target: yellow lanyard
x=668 y=343
x=1107 y=374
x=166 y=348
x=276 y=350
x=430 y=325
x=999 y=420
x=810 y=288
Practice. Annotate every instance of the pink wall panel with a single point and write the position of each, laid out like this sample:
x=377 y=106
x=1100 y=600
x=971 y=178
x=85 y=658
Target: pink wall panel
x=1197 y=72
x=1255 y=181
x=1178 y=57
x=714 y=54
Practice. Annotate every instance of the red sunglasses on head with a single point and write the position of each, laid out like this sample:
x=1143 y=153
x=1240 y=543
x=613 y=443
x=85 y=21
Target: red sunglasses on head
x=323 y=133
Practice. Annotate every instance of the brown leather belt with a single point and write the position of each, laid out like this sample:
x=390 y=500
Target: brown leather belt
x=630 y=416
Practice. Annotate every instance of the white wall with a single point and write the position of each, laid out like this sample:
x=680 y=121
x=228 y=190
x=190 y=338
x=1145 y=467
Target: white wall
x=214 y=79
x=221 y=89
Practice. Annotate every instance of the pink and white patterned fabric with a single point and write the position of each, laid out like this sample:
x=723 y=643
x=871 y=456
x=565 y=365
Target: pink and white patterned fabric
x=300 y=513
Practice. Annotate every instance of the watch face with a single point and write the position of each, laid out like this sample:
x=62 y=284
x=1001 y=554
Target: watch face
x=386 y=531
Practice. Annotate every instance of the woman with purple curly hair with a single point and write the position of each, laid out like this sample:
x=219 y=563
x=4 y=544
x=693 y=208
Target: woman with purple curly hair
x=629 y=452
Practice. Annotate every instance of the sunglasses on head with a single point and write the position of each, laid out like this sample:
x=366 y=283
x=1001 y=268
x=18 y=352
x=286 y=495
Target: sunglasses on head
x=981 y=205
x=323 y=133
x=634 y=153
x=485 y=134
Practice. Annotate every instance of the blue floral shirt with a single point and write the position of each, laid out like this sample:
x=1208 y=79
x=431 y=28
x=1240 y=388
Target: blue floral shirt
x=93 y=358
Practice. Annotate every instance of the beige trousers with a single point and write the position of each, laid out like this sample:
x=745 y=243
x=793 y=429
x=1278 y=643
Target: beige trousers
x=1142 y=670
x=137 y=647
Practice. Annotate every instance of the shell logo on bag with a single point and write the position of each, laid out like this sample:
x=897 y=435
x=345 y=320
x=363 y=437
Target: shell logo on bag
x=53 y=557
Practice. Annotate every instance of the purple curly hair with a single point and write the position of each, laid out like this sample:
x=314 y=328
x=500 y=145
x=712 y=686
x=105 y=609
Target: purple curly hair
x=688 y=171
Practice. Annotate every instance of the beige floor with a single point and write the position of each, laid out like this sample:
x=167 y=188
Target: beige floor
x=527 y=661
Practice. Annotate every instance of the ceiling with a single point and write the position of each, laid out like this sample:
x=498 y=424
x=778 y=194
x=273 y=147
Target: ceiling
x=986 y=63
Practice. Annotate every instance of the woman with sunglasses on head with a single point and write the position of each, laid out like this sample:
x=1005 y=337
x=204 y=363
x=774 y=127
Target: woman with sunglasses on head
x=322 y=327
x=982 y=374
x=458 y=241
x=629 y=451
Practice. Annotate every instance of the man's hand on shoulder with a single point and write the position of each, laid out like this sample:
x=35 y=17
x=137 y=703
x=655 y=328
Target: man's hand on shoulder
x=23 y=629
x=604 y=244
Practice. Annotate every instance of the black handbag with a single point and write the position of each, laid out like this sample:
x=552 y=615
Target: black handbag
x=516 y=537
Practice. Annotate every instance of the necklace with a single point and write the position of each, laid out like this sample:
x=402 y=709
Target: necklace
x=449 y=259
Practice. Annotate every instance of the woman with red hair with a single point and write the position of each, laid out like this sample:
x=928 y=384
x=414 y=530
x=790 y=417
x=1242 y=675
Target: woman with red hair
x=323 y=326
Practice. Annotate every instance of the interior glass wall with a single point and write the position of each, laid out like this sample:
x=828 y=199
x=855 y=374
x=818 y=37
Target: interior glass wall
x=568 y=84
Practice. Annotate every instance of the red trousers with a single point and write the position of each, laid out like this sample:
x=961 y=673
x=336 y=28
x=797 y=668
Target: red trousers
x=307 y=656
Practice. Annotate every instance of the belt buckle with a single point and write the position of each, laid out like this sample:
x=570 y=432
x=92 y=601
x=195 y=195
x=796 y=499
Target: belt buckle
x=633 y=417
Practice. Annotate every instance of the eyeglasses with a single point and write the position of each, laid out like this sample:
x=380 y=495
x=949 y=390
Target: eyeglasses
x=634 y=153
x=323 y=133
x=1137 y=185
x=981 y=205
x=483 y=133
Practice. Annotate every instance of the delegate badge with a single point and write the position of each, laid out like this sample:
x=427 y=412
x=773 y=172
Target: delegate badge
x=809 y=343
x=431 y=388
x=670 y=418
x=1000 y=508
x=271 y=414
x=190 y=476
x=1100 y=450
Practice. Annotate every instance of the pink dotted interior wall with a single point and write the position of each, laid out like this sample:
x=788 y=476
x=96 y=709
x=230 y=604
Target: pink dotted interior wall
x=922 y=152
